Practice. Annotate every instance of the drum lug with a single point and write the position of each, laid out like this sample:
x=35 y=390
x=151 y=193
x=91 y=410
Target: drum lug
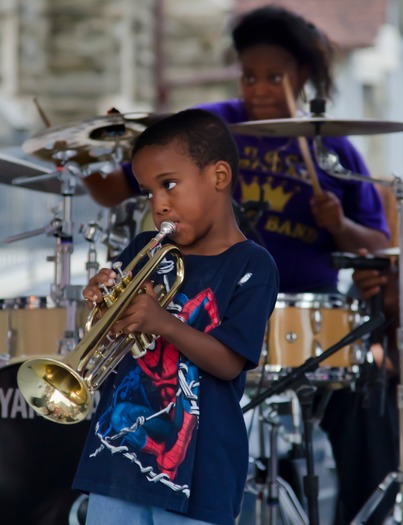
x=317 y=349
x=316 y=321
x=357 y=354
x=291 y=337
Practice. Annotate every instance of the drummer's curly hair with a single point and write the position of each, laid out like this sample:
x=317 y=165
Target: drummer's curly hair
x=204 y=137
x=274 y=25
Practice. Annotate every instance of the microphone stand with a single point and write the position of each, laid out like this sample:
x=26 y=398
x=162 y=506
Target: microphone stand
x=298 y=381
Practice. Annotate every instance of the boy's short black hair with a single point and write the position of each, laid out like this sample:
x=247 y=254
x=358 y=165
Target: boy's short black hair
x=205 y=136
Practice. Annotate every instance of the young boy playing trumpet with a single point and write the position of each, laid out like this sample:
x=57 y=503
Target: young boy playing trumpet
x=168 y=443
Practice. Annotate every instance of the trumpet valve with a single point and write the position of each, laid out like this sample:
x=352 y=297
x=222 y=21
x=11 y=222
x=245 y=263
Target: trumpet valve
x=109 y=299
x=141 y=343
x=160 y=291
x=118 y=290
x=123 y=276
x=109 y=295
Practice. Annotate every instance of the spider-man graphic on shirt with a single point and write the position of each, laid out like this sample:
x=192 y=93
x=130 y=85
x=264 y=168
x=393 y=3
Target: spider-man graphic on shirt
x=155 y=408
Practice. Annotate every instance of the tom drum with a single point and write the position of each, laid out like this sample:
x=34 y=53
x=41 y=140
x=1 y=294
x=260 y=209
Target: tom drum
x=304 y=326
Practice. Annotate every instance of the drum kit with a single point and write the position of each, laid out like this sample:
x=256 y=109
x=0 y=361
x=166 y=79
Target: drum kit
x=65 y=154
x=303 y=327
x=52 y=162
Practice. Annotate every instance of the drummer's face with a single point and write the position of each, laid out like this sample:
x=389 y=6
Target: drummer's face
x=263 y=68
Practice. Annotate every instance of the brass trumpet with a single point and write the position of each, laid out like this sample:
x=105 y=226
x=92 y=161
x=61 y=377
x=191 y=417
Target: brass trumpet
x=61 y=389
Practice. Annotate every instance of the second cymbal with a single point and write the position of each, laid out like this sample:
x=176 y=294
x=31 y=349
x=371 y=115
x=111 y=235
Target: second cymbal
x=88 y=141
x=313 y=126
x=15 y=164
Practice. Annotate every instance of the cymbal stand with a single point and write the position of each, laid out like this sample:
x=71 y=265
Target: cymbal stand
x=62 y=292
x=329 y=162
x=304 y=391
x=391 y=478
x=297 y=380
x=396 y=476
x=278 y=504
x=92 y=232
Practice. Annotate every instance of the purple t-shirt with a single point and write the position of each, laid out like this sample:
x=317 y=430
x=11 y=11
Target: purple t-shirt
x=272 y=170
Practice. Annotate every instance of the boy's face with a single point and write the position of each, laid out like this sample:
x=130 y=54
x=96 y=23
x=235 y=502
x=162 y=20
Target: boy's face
x=181 y=192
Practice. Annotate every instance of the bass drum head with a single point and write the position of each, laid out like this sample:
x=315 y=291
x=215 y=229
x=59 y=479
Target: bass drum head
x=38 y=460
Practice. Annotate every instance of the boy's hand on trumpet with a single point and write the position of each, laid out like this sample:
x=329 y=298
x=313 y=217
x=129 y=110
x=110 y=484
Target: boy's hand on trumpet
x=144 y=314
x=92 y=292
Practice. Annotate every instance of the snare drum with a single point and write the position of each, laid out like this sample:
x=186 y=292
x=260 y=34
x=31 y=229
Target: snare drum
x=31 y=326
x=305 y=325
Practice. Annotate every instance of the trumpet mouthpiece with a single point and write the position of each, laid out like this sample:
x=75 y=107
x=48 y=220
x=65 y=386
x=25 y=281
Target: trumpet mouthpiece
x=167 y=228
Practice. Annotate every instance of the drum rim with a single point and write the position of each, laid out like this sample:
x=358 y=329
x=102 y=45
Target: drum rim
x=315 y=300
x=28 y=302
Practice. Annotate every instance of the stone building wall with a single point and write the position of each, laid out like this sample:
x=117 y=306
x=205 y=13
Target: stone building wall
x=71 y=54
x=77 y=57
x=197 y=50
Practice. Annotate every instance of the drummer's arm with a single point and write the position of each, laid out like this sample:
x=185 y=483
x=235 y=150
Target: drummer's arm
x=351 y=234
x=108 y=190
x=370 y=283
x=347 y=234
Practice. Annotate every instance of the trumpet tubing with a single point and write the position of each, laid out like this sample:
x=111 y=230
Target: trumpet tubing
x=61 y=389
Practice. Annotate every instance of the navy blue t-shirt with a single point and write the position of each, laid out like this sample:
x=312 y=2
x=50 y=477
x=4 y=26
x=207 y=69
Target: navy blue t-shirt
x=165 y=432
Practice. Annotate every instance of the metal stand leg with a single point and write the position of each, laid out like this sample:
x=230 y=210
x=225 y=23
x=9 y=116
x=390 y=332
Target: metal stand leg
x=276 y=503
x=376 y=497
x=311 y=481
x=62 y=292
x=282 y=503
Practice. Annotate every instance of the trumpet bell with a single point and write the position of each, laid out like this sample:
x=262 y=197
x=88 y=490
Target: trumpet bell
x=62 y=390
x=54 y=390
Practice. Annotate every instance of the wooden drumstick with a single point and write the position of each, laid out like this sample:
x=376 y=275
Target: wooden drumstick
x=302 y=142
x=42 y=114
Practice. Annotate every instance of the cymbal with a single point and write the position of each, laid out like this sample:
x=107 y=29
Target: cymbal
x=147 y=119
x=313 y=126
x=14 y=164
x=88 y=141
x=388 y=252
